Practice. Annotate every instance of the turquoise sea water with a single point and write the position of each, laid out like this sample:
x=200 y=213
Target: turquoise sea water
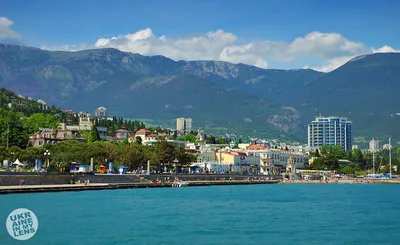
x=252 y=214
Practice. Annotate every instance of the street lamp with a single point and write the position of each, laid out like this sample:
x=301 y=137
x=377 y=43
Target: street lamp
x=176 y=166
x=47 y=156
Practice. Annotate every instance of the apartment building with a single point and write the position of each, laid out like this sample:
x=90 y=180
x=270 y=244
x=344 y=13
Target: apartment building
x=330 y=131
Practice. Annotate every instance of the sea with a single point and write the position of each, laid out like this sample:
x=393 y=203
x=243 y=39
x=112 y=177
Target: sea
x=246 y=214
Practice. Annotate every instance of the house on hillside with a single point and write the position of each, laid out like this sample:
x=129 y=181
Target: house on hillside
x=119 y=135
x=148 y=137
x=52 y=136
x=122 y=134
x=85 y=123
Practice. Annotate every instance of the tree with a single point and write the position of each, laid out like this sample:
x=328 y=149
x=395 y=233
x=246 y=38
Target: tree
x=138 y=140
x=39 y=120
x=350 y=169
x=165 y=151
x=93 y=135
x=11 y=129
x=188 y=138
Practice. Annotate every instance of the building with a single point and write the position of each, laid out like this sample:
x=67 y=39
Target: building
x=122 y=133
x=85 y=123
x=330 y=131
x=184 y=125
x=52 y=136
x=277 y=158
x=374 y=145
x=100 y=112
x=150 y=138
x=237 y=158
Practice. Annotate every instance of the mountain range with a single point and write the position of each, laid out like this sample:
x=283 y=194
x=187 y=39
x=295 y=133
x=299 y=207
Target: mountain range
x=220 y=97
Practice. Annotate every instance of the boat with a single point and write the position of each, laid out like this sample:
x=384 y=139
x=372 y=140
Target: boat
x=180 y=183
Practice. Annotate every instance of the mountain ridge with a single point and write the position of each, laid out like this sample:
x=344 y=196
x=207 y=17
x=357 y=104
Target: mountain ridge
x=118 y=80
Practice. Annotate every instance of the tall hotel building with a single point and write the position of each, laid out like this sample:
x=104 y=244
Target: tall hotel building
x=184 y=125
x=329 y=131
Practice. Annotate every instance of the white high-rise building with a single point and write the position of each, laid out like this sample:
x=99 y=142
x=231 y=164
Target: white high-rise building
x=374 y=145
x=330 y=131
x=184 y=125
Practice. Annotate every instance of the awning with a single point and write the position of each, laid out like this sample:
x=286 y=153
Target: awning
x=17 y=162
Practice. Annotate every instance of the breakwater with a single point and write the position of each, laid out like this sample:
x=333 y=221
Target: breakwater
x=14 y=178
x=97 y=186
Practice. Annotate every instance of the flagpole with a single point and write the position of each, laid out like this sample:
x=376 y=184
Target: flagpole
x=373 y=156
x=390 y=158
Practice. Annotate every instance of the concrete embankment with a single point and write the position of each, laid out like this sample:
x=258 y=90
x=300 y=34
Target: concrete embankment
x=101 y=186
x=14 y=178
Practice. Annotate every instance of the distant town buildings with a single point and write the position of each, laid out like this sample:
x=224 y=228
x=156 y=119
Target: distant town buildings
x=183 y=125
x=330 y=131
x=254 y=158
x=100 y=112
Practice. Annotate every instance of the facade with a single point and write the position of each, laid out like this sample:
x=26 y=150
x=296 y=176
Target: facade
x=277 y=157
x=226 y=161
x=100 y=112
x=330 y=131
x=183 y=125
x=237 y=158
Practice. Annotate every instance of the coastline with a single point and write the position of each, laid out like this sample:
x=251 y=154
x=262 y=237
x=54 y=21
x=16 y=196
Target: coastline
x=15 y=189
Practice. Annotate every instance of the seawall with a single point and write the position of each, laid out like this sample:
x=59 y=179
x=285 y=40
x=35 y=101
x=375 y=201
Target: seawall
x=90 y=186
x=13 y=178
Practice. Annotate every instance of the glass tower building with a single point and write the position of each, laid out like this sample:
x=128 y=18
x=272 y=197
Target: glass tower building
x=330 y=131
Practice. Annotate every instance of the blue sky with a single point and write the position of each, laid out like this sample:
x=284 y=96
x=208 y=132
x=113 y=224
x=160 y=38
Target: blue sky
x=258 y=32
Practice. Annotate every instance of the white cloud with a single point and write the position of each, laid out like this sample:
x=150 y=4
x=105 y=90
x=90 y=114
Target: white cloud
x=385 y=49
x=332 y=64
x=5 y=29
x=200 y=47
x=329 y=50
x=324 y=45
x=71 y=48
x=336 y=62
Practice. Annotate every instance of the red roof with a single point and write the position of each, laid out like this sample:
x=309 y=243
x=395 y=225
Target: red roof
x=193 y=150
x=143 y=131
x=235 y=153
x=121 y=131
x=257 y=147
